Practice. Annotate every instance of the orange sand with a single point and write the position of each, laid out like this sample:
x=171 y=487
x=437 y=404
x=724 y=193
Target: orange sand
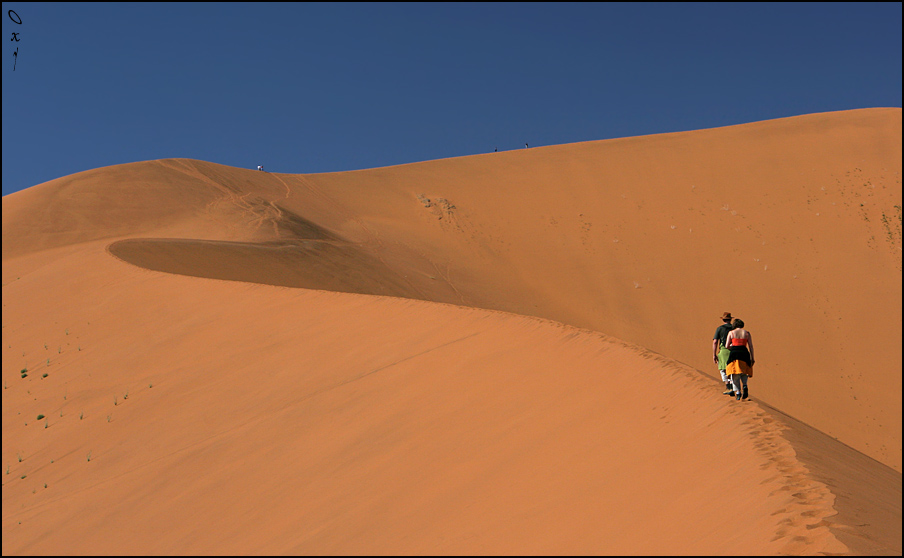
x=244 y=416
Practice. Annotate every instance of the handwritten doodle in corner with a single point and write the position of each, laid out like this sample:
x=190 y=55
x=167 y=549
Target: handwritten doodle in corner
x=18 y=21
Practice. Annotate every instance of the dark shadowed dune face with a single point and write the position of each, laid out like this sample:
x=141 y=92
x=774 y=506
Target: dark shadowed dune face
x=311 y=264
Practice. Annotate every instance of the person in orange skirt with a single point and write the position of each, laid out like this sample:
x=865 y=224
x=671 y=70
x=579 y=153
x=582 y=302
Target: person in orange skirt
x=740 y=358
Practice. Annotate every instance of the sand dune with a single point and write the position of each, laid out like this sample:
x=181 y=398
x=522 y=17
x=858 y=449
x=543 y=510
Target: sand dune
x=314 y=422
x=226 y=410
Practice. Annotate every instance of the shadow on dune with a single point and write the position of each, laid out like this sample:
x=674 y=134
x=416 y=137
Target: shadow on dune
x=312 y=264
x=296 y=253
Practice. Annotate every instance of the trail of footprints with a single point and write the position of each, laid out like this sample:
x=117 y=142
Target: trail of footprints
x=810 y=502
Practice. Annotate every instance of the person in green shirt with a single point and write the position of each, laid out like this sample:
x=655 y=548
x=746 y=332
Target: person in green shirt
x=721 y=352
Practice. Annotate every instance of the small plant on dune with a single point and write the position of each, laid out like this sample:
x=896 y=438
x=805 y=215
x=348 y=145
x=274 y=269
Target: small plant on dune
x=40 y=417
x=115 y=401
x=7 y=469
x=126 y=396
x=19 y=455
x=89 y=456
x=46 y=423
x=80 y=415
x=48 y=362
x=44 y=375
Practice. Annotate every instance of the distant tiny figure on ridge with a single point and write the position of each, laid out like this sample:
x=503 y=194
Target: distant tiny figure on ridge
x=740 y=357
x=525 y=146
x=720 y=351
x=260 y=168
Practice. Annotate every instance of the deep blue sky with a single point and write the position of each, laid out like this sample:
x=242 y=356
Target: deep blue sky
x=306 y=88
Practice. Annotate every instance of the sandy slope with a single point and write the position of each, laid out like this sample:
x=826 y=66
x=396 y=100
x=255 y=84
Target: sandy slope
x=349 y=423
x=794 y=225
x=221 y=417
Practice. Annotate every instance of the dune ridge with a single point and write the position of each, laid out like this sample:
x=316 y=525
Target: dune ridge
x=629 y=238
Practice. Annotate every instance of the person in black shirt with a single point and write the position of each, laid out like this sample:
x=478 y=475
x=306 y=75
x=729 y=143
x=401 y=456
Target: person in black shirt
x=720 y=351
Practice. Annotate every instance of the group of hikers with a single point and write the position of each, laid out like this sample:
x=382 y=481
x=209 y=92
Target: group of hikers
x=733 y=353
